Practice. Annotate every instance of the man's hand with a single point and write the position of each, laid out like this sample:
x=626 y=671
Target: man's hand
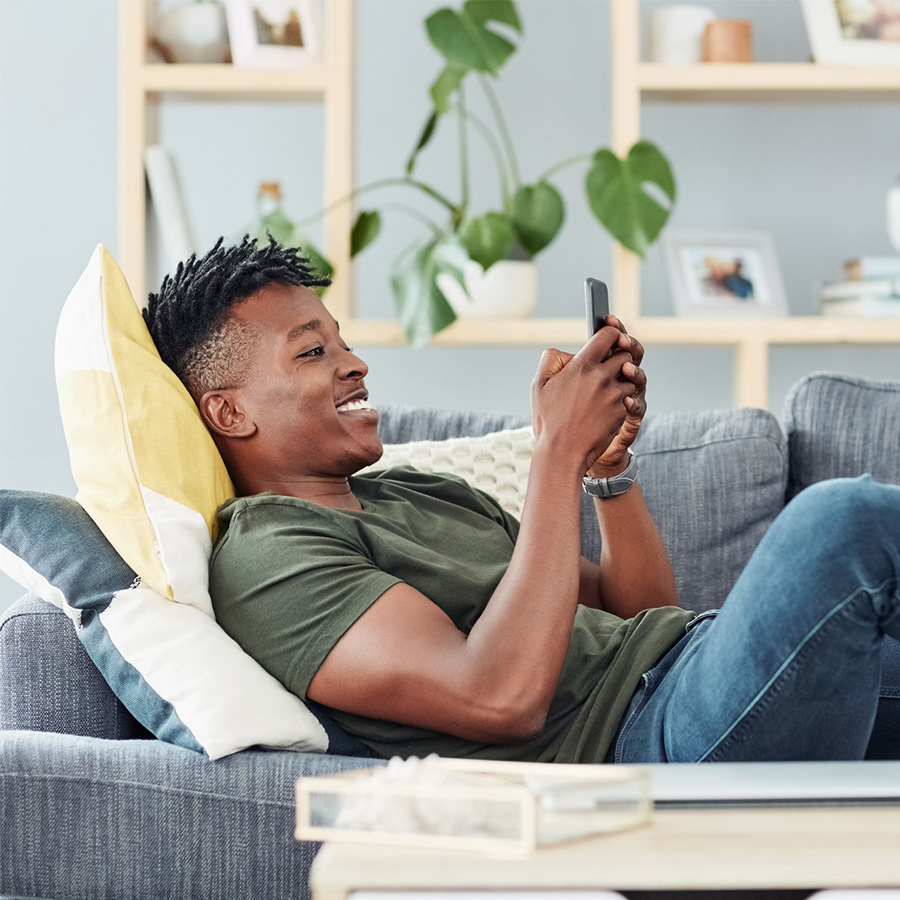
x=614 y=458
x=578 y=400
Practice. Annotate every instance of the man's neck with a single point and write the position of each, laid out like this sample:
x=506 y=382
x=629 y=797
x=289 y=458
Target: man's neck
x=331 y=492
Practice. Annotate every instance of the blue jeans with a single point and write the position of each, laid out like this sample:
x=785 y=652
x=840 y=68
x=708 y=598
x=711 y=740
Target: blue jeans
x=796 y=665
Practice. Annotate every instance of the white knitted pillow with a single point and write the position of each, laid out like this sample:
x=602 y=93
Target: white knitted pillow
x=496 y=463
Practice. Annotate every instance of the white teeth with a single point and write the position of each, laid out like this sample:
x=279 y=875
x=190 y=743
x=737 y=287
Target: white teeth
x=353 y=405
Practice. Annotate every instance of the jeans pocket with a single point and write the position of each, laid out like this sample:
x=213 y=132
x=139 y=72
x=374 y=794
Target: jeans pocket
x=700 y=617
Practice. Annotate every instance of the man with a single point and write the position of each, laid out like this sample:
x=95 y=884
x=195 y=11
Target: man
x=428 y=620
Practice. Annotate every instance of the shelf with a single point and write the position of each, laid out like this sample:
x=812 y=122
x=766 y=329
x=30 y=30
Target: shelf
x=227 y=82
x=657 y=330
x=768 y=82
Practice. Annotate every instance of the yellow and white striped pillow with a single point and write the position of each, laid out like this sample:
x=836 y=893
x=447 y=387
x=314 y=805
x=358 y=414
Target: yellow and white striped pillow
x=147 y=470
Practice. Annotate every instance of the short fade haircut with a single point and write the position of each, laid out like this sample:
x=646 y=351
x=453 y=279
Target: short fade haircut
x=189 y=317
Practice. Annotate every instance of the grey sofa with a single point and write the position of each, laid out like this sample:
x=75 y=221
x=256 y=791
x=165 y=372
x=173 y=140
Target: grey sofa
x=92 y=808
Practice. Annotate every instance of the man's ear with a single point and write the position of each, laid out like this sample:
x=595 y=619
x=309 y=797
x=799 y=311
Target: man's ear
x=223 y=414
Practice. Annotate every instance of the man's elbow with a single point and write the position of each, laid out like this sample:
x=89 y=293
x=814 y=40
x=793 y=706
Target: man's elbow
x=513 y=724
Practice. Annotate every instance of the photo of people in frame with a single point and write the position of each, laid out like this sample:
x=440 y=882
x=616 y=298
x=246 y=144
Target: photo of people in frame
x=724 y=275
x=869 y=20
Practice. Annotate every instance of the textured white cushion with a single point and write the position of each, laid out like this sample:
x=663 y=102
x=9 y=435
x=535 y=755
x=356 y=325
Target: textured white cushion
x=496 y=463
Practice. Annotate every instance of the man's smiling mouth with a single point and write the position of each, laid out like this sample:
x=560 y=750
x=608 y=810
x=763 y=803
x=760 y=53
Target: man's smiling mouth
x=353 y=405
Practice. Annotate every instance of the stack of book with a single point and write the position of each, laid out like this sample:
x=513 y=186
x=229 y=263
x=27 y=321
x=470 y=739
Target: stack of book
x=871 y=288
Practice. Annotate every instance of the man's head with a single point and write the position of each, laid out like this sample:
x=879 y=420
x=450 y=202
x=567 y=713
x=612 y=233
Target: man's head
x=282 y=394
x=191 y=318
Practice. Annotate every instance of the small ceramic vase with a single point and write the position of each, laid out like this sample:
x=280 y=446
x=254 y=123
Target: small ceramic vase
x=193 y=33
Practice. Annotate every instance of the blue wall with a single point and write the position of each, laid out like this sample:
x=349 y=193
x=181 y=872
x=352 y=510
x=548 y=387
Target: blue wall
x=814 y=175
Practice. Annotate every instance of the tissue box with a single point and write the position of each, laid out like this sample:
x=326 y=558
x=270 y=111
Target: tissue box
x=480 y=805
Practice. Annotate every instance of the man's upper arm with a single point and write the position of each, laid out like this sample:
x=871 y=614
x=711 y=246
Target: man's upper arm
x=405 y=661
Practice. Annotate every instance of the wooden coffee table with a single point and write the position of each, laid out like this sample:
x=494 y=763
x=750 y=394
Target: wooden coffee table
x=696 y=850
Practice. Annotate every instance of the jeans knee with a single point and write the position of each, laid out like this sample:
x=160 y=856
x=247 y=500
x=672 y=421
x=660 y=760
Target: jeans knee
x=836 y=514
x=850 y=502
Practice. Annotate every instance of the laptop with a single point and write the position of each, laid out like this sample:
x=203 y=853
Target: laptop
x=688 y=785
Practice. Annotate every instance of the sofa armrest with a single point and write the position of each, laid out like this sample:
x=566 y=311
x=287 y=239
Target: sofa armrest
x=151 y=821
x=49 y=683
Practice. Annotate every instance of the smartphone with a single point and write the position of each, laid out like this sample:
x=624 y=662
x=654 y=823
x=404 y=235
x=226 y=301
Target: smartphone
x=596 y=304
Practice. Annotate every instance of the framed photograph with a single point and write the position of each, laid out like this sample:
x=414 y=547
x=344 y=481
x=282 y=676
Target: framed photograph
x=274 y=33
x=723 y=274
x=855 y=32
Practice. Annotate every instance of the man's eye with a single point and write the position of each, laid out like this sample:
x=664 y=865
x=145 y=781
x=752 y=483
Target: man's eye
x=316 y=351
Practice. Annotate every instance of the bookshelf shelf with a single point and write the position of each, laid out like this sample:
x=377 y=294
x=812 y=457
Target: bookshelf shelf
x=635 y=83
x=145 y=85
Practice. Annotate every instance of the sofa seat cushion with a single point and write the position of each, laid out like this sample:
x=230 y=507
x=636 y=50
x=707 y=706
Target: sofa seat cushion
x=714 y=482
x=840 y=426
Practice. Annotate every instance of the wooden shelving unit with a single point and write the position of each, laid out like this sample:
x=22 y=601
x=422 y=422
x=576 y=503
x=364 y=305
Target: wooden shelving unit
x=635 y=83
x=144 y=86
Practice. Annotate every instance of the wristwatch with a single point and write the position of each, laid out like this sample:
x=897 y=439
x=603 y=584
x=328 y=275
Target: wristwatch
x=606 y=488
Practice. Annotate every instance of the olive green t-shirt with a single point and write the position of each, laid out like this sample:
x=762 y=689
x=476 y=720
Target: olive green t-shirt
x=289 y=577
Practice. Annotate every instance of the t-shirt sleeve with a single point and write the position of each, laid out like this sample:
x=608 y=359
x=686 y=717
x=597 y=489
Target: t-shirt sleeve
x=287 y=588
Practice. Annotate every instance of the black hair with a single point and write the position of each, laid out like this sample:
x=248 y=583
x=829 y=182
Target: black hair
x=189 y=317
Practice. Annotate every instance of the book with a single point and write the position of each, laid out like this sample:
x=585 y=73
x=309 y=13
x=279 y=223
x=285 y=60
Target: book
x=848 y=290
x=168 y=201
x=865 y=267
x=865 y=307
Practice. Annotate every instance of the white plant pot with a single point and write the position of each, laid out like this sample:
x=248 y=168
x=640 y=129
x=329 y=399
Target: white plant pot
x=893 y=217
x=194 y=33
x=507 y=290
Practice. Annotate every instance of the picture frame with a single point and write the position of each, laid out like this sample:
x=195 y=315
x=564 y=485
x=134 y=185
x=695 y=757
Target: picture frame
x=274 y=33
x=724 y=274
x=854 y=32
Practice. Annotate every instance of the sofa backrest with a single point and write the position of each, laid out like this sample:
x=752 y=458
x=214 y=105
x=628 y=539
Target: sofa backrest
x=841 y=426
x=714 y=482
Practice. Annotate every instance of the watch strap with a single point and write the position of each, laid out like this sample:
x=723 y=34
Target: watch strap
x=615 y=485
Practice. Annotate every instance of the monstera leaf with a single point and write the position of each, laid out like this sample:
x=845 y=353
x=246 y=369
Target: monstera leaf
x=618 y=196
x=421 y=307
x=489 y=238
x=467 y=44
x=365 y=229
x=464 y=39
x=539 y=214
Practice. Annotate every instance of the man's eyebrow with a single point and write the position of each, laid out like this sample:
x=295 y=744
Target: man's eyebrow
x=299 y=330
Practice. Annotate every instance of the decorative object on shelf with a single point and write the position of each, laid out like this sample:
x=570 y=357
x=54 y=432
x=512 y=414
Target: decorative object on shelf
x=168 y=203
x=855 y=32
x=275 y=33
x=728 y=41
x=531 y=214
x=722 y=274
x=867 y=297
x=675 y=34
x=272 y=221
x=868 y=267
x=193 y=32
x=893 y=216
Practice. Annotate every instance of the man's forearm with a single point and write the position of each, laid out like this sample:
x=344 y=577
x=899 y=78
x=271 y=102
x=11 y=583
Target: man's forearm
x=635 y=572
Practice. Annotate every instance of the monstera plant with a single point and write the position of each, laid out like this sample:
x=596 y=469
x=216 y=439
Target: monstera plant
x=476 y=41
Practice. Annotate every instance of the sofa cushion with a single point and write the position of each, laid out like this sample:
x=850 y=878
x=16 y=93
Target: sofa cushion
x=171 y=665
x=841 y=426
x=714 y=482
x=496 y=463
x=147 y=470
